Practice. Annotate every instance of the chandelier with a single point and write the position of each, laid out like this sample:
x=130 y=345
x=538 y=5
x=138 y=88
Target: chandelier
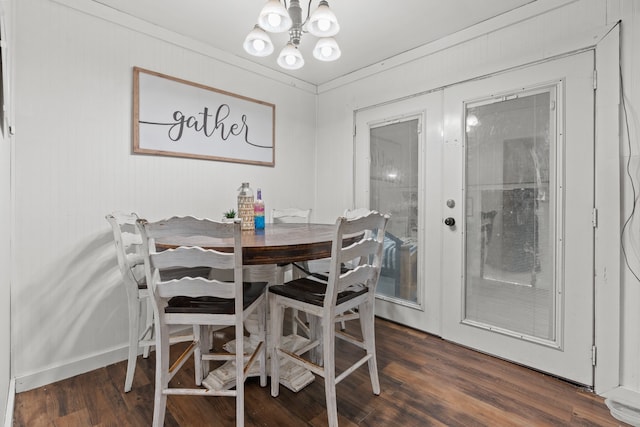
x=276 y=18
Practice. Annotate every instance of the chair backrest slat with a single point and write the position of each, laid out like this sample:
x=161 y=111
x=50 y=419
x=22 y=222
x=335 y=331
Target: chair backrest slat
x=368 y=230
x=191 y=257
x=189 y=226
x=359 y=275
x=359 y=249
x=128 y=243
x=195 y=287
x=130 y=239
x=290 y=215
x=356 y=213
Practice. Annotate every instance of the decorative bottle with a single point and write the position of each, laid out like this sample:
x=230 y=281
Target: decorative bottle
x=245 y=206
x=258 y=211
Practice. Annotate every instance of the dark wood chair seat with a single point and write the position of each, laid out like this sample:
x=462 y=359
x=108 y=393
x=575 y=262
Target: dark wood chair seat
x=211 y=305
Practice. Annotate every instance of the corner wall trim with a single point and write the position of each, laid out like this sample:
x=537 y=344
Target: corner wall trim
x=11 y=398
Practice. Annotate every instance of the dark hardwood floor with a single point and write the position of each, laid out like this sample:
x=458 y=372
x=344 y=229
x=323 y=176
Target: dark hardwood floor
x=425 y=381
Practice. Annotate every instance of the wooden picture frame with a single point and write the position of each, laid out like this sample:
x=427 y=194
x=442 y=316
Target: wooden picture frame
x=178 y=118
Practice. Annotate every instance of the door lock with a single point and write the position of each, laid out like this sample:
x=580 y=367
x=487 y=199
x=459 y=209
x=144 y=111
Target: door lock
x=450 y=222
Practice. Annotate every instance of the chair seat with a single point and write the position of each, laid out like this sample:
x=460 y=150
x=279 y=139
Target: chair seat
x=312 y=292
x=211 y=305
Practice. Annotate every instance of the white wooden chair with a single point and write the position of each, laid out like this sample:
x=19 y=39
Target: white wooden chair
x=128 y=243
x=290 y=215
x=203 y=303
x=343 y=291
x=323 y=274
x=298 y=216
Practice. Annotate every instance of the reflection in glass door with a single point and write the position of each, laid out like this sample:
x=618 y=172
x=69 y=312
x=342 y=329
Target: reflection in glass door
x=510 y=182
x=394 y=189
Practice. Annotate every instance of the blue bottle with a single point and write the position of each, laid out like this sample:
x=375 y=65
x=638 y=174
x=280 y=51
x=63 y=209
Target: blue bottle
x=258 y=212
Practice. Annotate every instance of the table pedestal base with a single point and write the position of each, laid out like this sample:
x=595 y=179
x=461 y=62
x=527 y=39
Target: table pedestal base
x=292 y=376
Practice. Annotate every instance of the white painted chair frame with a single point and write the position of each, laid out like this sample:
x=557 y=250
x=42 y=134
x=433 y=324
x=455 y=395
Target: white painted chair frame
x=365 y=275
x=351 y=314
x=128 y=245
x=290 y=216
x=163 y=291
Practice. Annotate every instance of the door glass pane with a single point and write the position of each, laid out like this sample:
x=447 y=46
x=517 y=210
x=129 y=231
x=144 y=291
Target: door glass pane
x=394 y=189
x=509 y=227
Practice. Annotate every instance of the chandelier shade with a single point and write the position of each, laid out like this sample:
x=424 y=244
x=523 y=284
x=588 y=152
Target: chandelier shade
x=290 y=57
x=276 y=17
x=258 y=43
x=327 y=49
x=323 y=22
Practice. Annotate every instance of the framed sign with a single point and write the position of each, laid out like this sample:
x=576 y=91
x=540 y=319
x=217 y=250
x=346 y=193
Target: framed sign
x=175 y=117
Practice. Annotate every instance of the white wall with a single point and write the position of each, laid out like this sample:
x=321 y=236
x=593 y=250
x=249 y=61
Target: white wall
x=474 y=53
x=73 y=164
x=5 y=273
x=5 y=249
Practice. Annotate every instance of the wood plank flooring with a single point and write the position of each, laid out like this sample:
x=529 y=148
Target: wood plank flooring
x=425 y=381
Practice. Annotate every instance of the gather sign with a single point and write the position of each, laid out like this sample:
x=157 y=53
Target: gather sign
x=175 y=117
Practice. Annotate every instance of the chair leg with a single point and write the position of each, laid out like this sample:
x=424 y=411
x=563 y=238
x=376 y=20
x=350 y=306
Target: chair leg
x=134 y=322
x=201 y=338
x=367 y=325
x=262 y=331
x=328 y=350
x=294 y=321
x=315 y=334
x=162 y=376
x=277 y=317
x=148 y=325
x=239 y=331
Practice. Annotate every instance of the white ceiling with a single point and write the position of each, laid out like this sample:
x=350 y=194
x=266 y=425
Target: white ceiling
x=371 y=31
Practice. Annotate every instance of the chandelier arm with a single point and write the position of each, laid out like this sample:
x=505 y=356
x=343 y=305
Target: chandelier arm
x=308 y=13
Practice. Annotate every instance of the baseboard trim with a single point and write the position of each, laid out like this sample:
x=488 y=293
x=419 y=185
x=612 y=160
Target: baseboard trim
x=70 y=369
x=11 y=398
x=624 y=405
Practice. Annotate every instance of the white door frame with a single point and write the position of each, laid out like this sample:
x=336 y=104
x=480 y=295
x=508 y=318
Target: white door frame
x=607 y=201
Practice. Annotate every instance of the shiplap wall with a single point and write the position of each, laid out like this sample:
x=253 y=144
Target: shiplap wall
x=545 y=33
x=5 y=242
x=73 y=165
x=73 y=162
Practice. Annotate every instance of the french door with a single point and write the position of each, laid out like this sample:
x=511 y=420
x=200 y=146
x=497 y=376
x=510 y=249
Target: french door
x=398 y=171
x=490 y=185
x=517 y=231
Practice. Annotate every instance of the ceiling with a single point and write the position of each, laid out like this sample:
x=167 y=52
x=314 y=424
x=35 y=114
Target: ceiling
x=371 y=31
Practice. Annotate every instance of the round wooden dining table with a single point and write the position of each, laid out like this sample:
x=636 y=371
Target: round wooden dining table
x=276 y=244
